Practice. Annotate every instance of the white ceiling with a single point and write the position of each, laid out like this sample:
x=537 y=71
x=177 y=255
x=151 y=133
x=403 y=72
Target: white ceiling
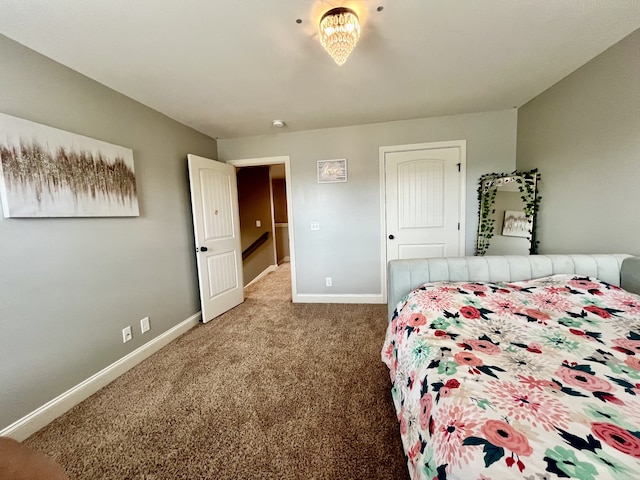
x=229 y=67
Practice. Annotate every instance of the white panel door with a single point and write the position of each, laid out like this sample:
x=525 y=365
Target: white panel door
x=423 y=203
x=216 y=224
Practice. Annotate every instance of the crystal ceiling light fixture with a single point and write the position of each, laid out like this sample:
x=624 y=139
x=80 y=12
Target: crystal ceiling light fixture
x=339 y=32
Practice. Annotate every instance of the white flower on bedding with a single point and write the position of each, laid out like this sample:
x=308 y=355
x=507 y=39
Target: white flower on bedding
x=521 y=362
x=499 y=329
x=627 y=302
x=409 y=423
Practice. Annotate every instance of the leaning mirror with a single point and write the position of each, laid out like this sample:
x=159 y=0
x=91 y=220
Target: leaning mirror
x=508 y=208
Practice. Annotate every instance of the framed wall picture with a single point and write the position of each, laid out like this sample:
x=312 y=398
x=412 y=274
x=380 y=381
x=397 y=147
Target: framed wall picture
x=332 y=171
x=47 y=172
x=516 y=224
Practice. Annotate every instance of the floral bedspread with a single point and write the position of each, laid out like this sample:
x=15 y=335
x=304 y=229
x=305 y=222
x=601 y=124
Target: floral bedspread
x=536 y=380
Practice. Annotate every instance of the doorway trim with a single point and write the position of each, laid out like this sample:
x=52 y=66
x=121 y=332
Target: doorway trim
x=283 y=159
x=462 y=145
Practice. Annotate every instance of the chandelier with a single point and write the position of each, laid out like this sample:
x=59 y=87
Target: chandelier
x=339 y=32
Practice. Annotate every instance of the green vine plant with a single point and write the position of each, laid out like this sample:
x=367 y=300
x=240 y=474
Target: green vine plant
x=487 y=191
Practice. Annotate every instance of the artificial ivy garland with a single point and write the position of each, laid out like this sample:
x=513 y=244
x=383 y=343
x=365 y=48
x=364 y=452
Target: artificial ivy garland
x=488 y=190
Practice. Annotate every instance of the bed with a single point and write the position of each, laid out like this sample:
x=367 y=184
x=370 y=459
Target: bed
x=516 y=366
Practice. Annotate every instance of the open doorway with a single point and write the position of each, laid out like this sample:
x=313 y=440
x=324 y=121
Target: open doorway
x=264 y=194
x=262 y=203
x=280 y=213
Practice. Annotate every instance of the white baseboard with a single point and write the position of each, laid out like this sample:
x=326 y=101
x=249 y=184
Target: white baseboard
x=340 y=298
x=268 y=270
x=42 y=416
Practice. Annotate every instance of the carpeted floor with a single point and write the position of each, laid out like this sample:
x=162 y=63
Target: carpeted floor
x=269 y=390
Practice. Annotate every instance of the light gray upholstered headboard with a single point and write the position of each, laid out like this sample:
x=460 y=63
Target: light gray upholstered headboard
x=405 y=275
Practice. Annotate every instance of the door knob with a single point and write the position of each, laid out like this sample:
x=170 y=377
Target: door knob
x=391 y=237
x=203 y=249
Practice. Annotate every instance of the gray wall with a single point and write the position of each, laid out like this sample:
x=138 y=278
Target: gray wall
x=347 y=247
x=69 y=286
x=583 y=134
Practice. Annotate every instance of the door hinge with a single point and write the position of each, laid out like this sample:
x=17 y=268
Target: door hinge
x=459 y=165
x=458 y=225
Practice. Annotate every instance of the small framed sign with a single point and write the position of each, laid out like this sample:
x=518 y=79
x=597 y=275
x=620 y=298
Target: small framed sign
x=332 y=171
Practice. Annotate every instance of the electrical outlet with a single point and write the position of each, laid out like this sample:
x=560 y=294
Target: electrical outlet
x=144 y=325
x=315 y=225
x=126 y=334
x=328 y=281
x=258 y=223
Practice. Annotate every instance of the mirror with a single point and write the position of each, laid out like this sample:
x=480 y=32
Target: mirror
x=508 y=207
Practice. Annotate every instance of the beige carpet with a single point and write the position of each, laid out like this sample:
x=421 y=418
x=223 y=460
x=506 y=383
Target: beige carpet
x=269 y=390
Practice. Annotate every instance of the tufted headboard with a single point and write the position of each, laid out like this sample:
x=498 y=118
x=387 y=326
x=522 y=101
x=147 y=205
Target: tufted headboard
x=405 y=275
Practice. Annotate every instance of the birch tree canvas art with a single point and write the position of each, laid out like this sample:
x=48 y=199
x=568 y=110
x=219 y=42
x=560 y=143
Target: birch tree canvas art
x=47 y=172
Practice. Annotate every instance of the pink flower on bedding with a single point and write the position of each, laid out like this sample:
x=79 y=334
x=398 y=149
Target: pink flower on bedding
x=467 y=358
x=550 y=301
x=581 y=333
x=454 y=423
x=470 y=312
x=452 y=383
x=503 y=306
x=537 y=314
x=601 y=312
x=441 y=333
x=404 y=427
x=502 y=434
x=630 y=345
x=474 y=287
x=633 y=362
x=417 y=319
x=426 y=403
x=414 y=451
x=435 y=299
x=626 y=302
x=578 y=378
x=517 y=401
x=557 y=290
x=617 y=437
x=398 y=325
x=538 y=384
x=482 y=346
x=477 y=289
x=388 y=352
x=584 y=284
x=534 y=347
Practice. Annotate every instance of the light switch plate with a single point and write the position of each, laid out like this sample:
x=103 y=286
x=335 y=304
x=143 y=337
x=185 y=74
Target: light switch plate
x=144 y=325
